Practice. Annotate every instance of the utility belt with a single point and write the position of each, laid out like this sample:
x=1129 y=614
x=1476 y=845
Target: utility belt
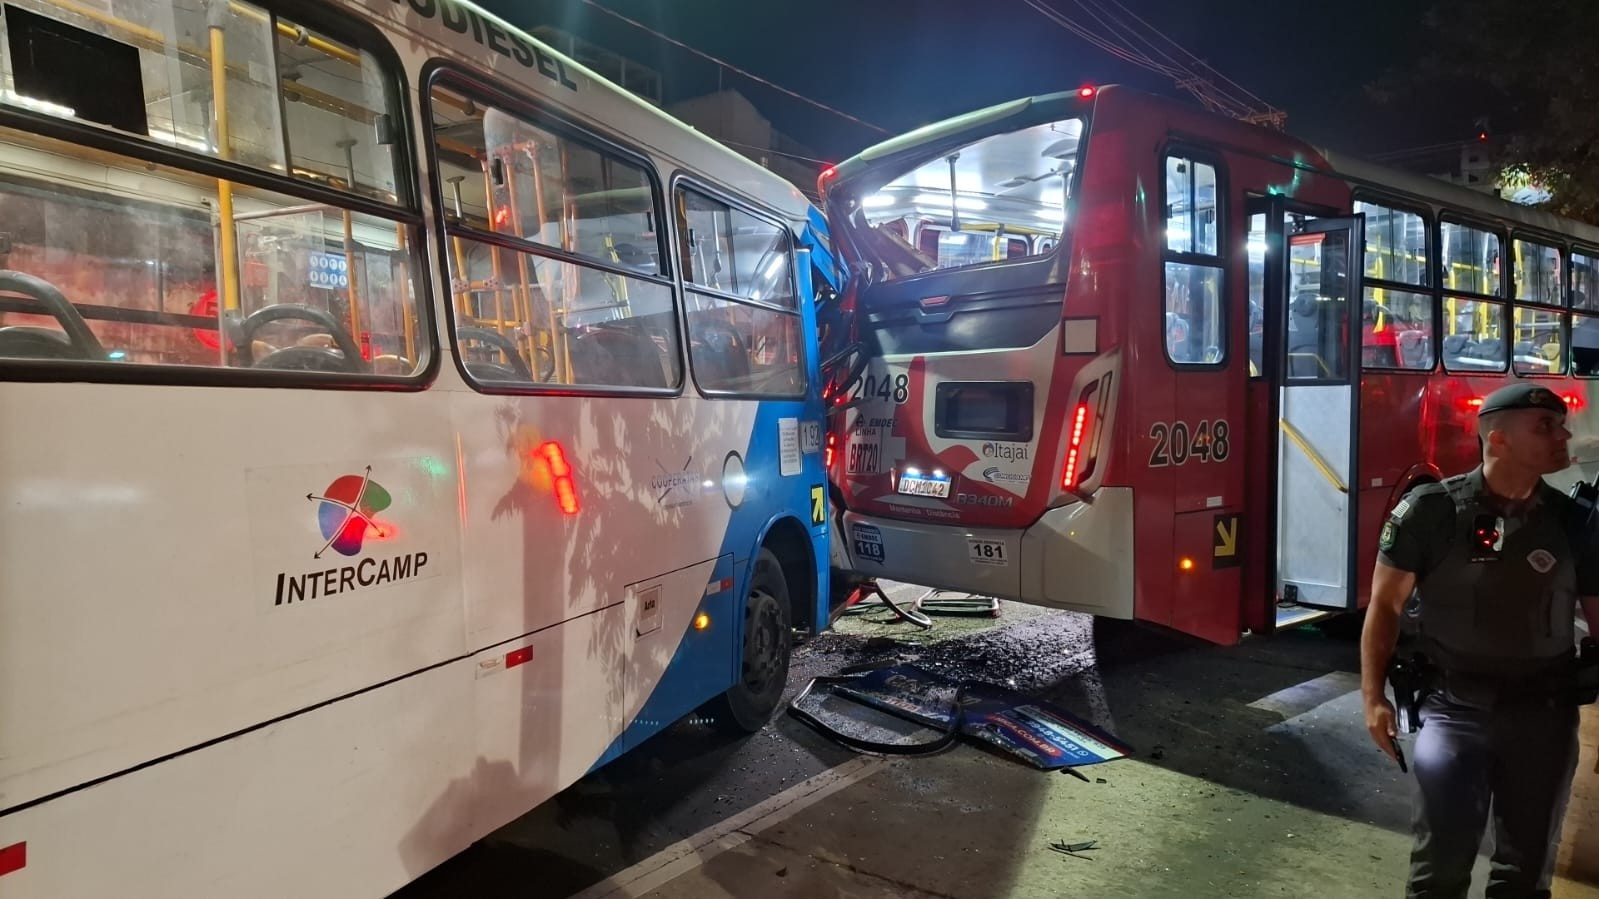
x=1572 y=681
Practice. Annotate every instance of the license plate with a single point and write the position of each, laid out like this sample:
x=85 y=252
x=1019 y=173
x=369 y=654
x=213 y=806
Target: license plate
x=987 y=552
x=924 y=485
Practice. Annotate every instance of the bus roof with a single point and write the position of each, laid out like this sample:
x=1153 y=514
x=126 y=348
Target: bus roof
x=582 y=94
x=1021 y=113
x=1423 y=187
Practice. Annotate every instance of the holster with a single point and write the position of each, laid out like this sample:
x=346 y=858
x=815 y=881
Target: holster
x=1413 y=678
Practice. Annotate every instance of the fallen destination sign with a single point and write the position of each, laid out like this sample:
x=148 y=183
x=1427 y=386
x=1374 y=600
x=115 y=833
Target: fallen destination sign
x=1040 y=733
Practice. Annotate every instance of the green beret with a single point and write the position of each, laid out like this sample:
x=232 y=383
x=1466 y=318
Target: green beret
x=1523 y=396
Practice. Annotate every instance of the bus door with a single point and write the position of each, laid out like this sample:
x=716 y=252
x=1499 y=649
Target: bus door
x=1314 y=275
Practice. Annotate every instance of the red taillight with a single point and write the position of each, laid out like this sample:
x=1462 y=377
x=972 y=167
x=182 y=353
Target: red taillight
x=561 y=474
x=1086 y=92
x=1074 y=448
x=1573 y=401
x=832 y=447
x=1471 y=403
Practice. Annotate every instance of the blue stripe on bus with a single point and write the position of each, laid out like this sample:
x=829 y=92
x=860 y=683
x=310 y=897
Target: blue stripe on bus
x=705 y=663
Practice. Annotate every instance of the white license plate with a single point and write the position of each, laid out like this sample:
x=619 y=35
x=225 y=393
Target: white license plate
x=987 y=552
x=924 y=485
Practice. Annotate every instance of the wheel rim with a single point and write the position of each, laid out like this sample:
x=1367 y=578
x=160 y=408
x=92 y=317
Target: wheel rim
x=762 y=636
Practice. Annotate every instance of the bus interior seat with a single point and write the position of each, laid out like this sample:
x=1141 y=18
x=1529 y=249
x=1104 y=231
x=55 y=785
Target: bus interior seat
x=721 y=360
x=1304 y=363
x=1411 y=347
x=513 y=368
x=29 y=342
x=617 y=353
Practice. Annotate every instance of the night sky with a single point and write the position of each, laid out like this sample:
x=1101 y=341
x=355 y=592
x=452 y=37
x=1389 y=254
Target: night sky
x=903 y=63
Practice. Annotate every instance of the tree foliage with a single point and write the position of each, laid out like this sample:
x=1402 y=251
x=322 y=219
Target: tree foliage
x=1532 y=69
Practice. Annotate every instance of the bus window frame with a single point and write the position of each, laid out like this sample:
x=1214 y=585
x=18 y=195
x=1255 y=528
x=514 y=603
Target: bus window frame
x=1453 y=216
x=406 y=212
x=686 y=178
x=1563 y=309
x=539 y=112
x=1572 y=313
x=1577 y=249
x=1194 y=152
x=1433 y=236
x=1449 y=216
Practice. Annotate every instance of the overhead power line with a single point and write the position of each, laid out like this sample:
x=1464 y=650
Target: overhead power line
x=1117 y=30
x=727 y=65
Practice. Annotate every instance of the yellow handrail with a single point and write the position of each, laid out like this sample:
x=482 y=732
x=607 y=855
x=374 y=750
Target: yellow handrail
x=1314 y=457
x=229 y=250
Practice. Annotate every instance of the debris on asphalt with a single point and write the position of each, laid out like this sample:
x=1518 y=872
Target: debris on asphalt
x=851 y=710
x=1075 y=849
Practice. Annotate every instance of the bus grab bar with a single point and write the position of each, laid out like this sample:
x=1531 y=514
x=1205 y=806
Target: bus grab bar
x=1314 y=457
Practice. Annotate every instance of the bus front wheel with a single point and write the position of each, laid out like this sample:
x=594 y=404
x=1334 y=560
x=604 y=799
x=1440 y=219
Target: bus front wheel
x=763 y=663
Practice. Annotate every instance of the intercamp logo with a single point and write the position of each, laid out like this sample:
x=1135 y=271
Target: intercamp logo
x=345 y=512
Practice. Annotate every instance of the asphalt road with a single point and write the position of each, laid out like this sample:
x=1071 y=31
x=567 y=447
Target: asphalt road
x=1251 y=775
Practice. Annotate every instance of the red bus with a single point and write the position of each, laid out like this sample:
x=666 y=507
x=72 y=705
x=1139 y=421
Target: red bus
x=1105 y=352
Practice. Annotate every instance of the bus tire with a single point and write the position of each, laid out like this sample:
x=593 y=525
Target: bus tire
x=764 y=656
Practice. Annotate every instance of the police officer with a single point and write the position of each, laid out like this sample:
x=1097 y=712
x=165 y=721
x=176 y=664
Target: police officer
x=1499 y=563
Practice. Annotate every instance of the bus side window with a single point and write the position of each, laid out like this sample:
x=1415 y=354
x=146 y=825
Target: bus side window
x=1195 y=311
x=112 y=257
x=743 y=309
x=555 y=257
x=1397 y=321
x=1474 y=327
x=1538 y=273
x=1584 y=328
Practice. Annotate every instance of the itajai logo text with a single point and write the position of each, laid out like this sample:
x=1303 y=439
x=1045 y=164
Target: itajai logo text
x=1007 y=452
x=346 y=514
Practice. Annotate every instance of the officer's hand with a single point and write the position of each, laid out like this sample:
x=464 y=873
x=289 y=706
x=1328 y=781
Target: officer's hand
x=1382 y=725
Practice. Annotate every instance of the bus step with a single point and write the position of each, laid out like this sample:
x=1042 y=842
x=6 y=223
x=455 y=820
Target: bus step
x=1296 y=615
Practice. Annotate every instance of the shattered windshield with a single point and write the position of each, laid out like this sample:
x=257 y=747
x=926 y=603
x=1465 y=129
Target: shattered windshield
x=1000 y=198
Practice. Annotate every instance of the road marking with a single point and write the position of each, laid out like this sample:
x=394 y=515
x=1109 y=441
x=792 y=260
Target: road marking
x=686 y=855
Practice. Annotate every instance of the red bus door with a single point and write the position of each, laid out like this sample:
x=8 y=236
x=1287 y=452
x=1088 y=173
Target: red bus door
x=1318 y=415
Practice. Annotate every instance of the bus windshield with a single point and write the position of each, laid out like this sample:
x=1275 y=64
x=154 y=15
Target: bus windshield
x=999 y=198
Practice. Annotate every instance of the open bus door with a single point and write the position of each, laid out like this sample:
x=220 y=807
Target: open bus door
x=1315 y=276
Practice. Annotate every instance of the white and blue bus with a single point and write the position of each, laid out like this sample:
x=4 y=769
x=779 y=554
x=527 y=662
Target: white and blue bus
x=400 y=422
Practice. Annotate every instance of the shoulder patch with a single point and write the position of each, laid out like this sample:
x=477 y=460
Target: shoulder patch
x=1541 y=560
x=1400 y=510
x=1385 y=540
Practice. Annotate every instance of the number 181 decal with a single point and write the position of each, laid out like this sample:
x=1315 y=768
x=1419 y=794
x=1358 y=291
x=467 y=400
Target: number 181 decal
x=1176 y=444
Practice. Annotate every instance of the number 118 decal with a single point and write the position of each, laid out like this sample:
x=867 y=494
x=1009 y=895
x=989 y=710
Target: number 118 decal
x=1178 y=444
